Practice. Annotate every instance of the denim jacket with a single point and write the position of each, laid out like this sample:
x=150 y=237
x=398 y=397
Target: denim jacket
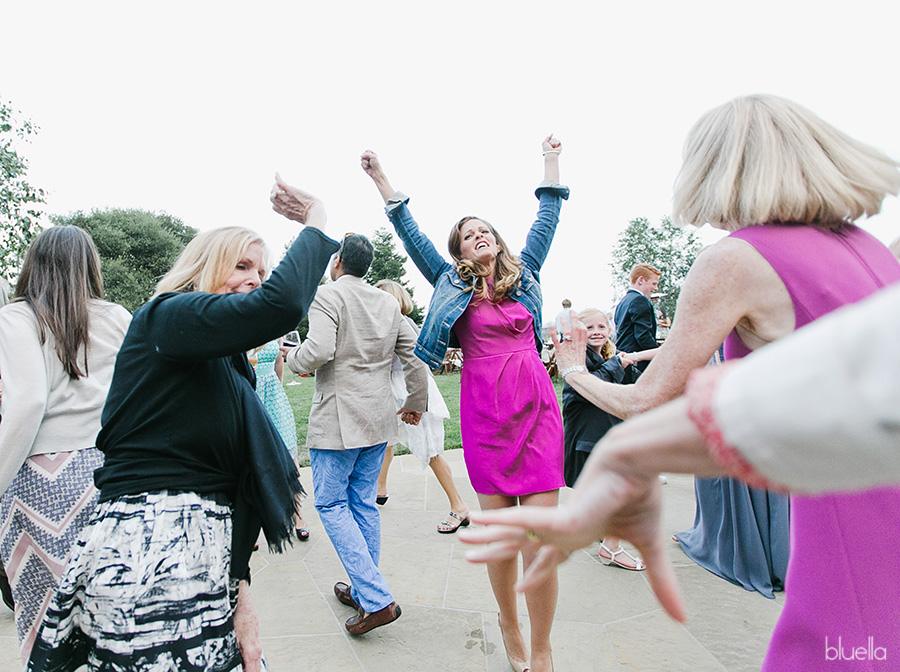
x=450 y=298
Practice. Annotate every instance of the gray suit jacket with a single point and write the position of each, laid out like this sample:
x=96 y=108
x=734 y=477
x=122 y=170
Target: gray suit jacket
x=354 y=331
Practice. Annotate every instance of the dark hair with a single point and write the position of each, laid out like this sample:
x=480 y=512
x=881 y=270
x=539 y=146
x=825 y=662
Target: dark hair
x=356 y=254
x=61 y=273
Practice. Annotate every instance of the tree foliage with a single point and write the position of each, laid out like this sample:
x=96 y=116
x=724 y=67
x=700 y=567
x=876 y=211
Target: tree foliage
x=19 y=201
x=666 y=246
x=136 y=249
x=388 y=264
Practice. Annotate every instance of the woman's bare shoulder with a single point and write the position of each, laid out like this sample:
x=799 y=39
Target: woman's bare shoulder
x=735 y=271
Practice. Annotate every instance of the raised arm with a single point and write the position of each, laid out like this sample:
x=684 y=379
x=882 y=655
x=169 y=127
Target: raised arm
x=297 y=205
x=551 y=148
x=199 y=325
x=551 y=194
x=418 y=246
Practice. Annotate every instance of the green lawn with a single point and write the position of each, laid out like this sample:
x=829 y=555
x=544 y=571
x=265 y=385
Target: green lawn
x=300 y=397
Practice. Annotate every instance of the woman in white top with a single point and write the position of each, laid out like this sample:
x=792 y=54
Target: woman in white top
x=58 y=347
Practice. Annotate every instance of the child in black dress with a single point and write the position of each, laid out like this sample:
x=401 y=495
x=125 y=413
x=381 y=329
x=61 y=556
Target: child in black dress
x=585 y=424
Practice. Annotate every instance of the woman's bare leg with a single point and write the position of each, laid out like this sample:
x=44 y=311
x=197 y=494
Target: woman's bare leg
x=382 y=477
x=503 y=576
x=541 y=600
x=444 y=475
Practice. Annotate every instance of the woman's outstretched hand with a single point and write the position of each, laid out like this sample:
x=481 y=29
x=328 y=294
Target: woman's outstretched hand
x=372 y=167
x=605 y=502
x=297 y=205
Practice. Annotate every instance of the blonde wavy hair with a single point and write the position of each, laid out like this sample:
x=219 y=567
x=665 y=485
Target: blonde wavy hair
x=399 y=292
x=209 y=260
x=763 y=159
x=507 y=267
x=609 y=348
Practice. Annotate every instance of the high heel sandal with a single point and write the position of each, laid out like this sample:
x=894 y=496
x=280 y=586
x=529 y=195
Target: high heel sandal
x=301 y=532
x=639 y=565
x=446 y=527
x=516 y=665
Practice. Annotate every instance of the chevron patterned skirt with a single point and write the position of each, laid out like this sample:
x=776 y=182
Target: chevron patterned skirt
x=43 y=511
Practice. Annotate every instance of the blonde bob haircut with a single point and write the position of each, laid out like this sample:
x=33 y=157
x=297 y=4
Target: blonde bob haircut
x=399 y=292
x=507 y=267
x=608 y=350
x=763 y=159
x=210 y=259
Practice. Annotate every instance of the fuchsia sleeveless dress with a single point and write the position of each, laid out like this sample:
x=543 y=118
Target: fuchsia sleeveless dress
x=509 y=416
x=842 y=590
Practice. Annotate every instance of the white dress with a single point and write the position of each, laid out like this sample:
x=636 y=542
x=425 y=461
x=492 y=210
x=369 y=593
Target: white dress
x=426 y=439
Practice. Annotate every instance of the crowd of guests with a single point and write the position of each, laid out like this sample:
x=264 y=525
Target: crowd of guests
x=142 y=456
x=787 y=187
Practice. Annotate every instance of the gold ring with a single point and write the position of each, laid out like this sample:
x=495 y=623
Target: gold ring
x=531 y=535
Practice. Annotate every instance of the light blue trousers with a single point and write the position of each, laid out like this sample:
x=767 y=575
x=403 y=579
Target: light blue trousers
x=346 y=483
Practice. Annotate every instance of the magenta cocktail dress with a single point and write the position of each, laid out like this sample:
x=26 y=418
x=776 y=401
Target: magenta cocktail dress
x=842 y=589
x=509 y=415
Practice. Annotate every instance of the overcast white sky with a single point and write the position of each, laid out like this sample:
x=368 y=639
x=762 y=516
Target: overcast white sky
x=190 y=107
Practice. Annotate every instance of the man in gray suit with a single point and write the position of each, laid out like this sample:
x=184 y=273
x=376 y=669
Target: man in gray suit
x=354 y=331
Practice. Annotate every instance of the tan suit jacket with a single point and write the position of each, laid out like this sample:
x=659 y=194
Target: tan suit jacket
x=354 y=331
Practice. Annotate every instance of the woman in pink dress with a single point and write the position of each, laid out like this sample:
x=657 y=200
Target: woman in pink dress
x=787 y=186
x=489 y=303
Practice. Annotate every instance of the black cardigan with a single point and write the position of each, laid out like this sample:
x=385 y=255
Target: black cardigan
x=583 y=423
x=182 y=413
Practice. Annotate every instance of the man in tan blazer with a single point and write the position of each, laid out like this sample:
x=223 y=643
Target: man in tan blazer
x=354 y=332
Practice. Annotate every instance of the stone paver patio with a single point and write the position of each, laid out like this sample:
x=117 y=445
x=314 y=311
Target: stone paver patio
x=607 y=619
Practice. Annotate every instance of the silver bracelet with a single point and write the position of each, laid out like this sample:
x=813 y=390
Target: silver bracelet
x=551 y=151
x=578 y=368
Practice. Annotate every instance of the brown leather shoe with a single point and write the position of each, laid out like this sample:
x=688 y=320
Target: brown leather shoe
x=342 y=592
x=363 y=622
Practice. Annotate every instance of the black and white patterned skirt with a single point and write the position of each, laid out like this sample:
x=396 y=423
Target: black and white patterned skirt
x=147 y=588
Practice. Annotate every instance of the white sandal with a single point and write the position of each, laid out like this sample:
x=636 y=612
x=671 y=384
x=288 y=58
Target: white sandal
x=639 y=565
